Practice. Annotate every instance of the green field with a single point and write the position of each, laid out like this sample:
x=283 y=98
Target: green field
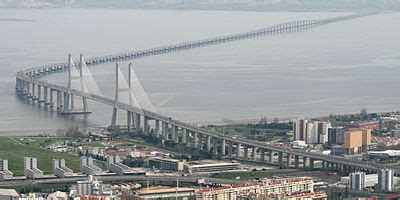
x=16 y=148
x=254 y=174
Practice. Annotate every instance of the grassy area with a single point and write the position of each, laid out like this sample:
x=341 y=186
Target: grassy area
x=16 y=148
x=257 y=132
x=253 y=174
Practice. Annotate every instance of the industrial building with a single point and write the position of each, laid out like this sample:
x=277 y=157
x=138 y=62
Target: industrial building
x=357 y=181
x=60 y=170
x=275 y=188
x=167 y=164
x=215 y=167
x=4 y=172
x=87 y=166
x=385 y=180
x=114 y=165
x=89 y=187
x=30 y=168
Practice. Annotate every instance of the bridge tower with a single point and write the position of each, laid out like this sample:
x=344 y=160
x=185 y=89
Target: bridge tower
x=75 y=82
x=124 y=94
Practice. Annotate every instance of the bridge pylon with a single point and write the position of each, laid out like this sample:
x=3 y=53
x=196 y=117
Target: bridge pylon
x=124 y=94
x=75 y=82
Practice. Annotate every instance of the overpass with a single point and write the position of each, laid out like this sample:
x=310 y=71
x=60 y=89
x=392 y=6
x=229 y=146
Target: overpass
x=166 y=128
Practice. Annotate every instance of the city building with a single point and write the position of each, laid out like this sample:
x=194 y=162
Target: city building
x=385 y=180
x=335 y=135
x=88 y=167
x=357 y=140
x=357 y=181
x=30 y=168
x=167 y=164
x=311 y=132
x=300 y=129
x=9 y=194
x=4 y=172
x=215 y=167
x=114 y=165
x=60 y=170
x=164 y=193
x=301 y=196
x=270 y=189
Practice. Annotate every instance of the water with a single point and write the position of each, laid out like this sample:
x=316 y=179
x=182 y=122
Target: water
x=338 y=68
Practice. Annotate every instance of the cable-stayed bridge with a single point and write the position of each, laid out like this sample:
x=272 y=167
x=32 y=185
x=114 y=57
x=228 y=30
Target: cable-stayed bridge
x=141 y=116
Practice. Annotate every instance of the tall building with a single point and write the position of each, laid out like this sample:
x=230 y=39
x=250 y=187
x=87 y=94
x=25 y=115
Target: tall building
x=300 y=129
x=311 y=132
x=385 y=179
x=357 y=140
x=357 y=181
x=60 y=169
x=336 y=135
x=31 y=170
x=4 y=172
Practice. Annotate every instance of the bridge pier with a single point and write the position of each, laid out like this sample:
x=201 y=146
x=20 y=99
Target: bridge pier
x=245 y=152
x=280 y=160
x=223 y=147
x=137 y=122
x=164 y=127
x=296 y=161
x=146 y=125
x=195 y=140
x=215 y=146
x=254 y=153
x=262 y=155
x=230 y=149
x=208 y=143
x=157 y=127
x=34 y=97
x=59 y=100
x=238 y=150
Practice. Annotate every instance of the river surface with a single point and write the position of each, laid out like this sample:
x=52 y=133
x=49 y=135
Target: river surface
x=337 y=68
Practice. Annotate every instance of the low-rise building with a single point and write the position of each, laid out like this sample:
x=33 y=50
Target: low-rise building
x=114 y=165
x=164 y=192
x=215 y=167
x=270 y=188
x=60 y=170
x=167 y=164
x=88 y=167
x=31 y=170
x=9 y=194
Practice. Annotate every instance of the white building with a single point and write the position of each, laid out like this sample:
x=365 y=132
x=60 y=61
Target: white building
x=88 y=167
x=357 y=181
x=385 y=179
x=60 y=170
x=311 y=132
x=4 y=172
x=89 y=187
x=31 y=170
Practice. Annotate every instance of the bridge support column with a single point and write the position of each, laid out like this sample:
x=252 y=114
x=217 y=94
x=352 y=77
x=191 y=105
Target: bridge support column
x=46 y=95
x=165 y=131
x=195 y=140
x=280 y=160
x=128 y=121
x=39 y=92
x=305 y=162
x=238 y=150
x=51 y=98
x=137 y=122
x=157 y=127
x=296 y=161
x=208 y=146
x=245 y=152
x=175 y=136
x=215 y=146
x=289 y=159
x=66 y=101
x=28 y=90
x=59 y=100
x=223 y=147
x=72 y=106
x=254 y=153
x=185 y=137
x=230 y=149
x=262 y=155
x=34 y=97
x=201 y=141
x=271 y=157
x=146 y=125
